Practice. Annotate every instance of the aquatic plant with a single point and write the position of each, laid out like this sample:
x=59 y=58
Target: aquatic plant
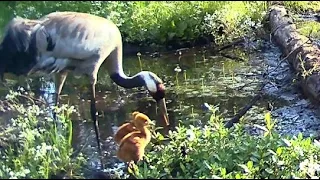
x=185 y=76
x=177 y=70
x=139 y=58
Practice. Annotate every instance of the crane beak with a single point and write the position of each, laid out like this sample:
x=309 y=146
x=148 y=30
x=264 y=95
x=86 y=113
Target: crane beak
x=163 y=110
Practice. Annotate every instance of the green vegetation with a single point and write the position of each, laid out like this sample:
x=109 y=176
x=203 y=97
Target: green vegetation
x=302 y=6
x=32 y=146
x=161 y=23
x=164 y=23
x=213 y=151
x=309 y=29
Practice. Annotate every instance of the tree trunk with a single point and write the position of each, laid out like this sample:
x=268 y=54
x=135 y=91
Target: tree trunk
x=302 y=54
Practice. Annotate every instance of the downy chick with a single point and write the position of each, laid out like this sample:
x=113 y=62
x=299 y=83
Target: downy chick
x=132 y=146
x=126 y=128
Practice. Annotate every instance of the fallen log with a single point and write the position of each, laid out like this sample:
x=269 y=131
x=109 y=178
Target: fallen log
x=301 y=53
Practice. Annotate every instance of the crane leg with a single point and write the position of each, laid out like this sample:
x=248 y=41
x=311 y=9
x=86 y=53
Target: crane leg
x=94 y=118
x=59 y=79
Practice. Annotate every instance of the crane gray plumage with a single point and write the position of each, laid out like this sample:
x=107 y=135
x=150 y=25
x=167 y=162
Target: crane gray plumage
x=63 y=42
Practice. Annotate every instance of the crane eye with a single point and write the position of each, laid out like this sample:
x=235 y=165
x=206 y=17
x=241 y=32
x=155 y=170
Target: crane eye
x=161 y=87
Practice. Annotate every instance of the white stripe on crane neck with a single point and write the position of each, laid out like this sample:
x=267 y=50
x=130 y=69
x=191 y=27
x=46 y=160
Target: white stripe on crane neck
x=151 y=85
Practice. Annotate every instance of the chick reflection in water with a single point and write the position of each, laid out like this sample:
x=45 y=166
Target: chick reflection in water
x=135 y=136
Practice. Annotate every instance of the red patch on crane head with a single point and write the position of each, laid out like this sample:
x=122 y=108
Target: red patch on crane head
x=161 y=87
x=160 y=92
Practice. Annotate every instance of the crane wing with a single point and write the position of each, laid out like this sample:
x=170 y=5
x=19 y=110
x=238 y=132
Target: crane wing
x=75 y=36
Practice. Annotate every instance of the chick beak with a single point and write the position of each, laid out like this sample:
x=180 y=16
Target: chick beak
x=163 y=111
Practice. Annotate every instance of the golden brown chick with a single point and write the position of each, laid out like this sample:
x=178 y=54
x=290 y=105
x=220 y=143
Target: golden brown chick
x=126 y=128
x=132 y=146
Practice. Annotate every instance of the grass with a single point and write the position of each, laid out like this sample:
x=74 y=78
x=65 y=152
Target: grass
x=33 y=146
x=302 y=6
x=309 y=29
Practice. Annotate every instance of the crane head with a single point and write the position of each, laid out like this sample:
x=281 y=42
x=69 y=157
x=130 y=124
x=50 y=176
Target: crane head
x=156 y=89
x=14 y=62
x=17 y=50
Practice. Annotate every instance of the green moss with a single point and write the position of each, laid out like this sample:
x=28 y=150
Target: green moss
x=310 y=28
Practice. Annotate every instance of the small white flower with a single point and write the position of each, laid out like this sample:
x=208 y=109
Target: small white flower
x=21 y=89
x=207 y=106
x=49 y=148
x=316 y=167
x=26 y=171
x=190 y=134
x=317 y=143
x=177 y=69
x=8 y=169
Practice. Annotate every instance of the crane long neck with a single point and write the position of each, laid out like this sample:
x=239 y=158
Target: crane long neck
x=127 y=82
x=117 y=74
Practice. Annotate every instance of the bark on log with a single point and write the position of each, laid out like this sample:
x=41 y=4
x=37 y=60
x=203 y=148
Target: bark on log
x=302 y=54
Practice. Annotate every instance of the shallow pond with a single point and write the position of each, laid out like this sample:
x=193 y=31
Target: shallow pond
x=204 y=78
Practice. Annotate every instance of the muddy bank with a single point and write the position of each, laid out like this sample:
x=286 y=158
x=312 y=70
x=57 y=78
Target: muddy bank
x=299 y=115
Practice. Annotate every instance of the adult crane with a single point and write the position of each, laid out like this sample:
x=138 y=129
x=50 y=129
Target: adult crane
x=63 y=42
